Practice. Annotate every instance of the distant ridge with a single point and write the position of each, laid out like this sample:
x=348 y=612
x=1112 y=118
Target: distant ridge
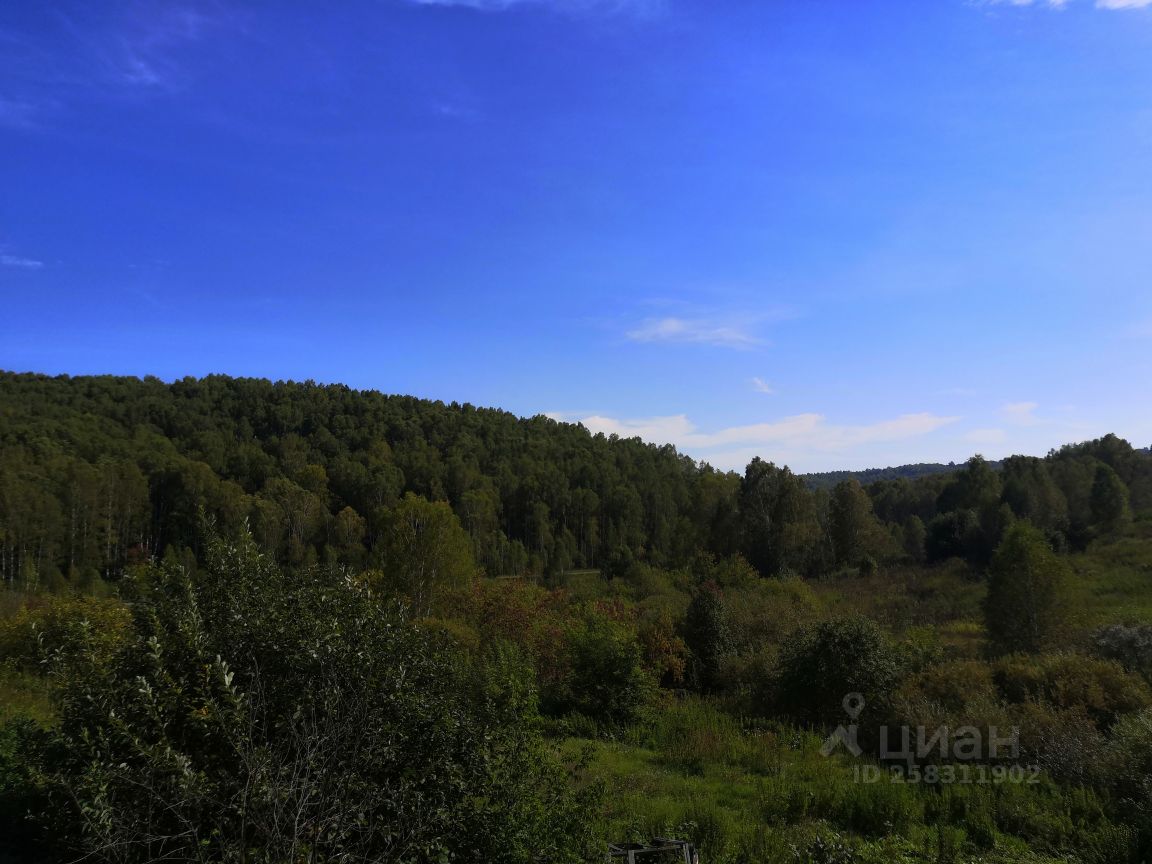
x=828 y=479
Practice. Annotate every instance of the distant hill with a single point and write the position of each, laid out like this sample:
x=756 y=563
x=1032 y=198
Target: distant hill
x=100 y=472
x=828 y=479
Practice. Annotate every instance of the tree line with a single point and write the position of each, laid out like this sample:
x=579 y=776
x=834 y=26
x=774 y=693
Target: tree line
x=97 y=473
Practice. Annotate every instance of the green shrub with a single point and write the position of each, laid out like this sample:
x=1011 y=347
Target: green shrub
x=1130 y=759
x=954 y=686
x=1129 y=645
x=249 y=713
x=821 y=664
x=1064 y=742
x=62 y=623
x=709 y=827
x=606 y=677
x=763 y=614
x=1102 y=688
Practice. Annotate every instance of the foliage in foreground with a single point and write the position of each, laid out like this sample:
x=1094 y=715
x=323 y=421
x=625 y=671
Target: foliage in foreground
x=252 y=715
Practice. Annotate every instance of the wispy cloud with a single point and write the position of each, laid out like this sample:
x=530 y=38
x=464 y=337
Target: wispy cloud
x=798 y=439
x=700 y=331
x=1061 y=4
x=1020 y=413
x=17 y=261
x=453 y=111
x=79 y=54
x=762 y=386
x=145 y=52
x=15 y=114
x=1052 y=4
x=641 y=7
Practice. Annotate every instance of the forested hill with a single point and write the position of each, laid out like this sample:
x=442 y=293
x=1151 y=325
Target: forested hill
x=828 y=479
x=96 y=472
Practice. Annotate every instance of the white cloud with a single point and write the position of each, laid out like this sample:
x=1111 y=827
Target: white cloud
x=762 y=386
x=1055 y=4
x=693 y=330
x=641 y=7
x=25 y=263
x=799 y=440
x=1020 y=413
x=1060 y=4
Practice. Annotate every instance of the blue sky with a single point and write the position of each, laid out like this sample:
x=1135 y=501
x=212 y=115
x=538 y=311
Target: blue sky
x=833 y=234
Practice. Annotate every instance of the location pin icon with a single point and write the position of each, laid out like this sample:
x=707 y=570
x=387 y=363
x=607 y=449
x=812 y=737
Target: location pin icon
x=854 y=704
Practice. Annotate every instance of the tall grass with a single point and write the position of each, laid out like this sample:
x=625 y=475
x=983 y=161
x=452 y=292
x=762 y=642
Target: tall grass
x=754 y=795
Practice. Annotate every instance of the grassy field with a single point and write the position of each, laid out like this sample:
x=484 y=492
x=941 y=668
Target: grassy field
x=762 y=791
x=769 y=795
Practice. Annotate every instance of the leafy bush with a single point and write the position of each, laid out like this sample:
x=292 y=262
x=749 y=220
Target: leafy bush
x=765 y=613
x=1130 y=761
x=1128 y=645
x=821 y=664
x=62 y=623
x=956 y=693
x=957 y=684
x=255 y=715
x=1101 y=688
x=605 y=678
x=1064 y=742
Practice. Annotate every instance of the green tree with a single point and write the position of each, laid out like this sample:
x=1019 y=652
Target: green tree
x=348 y=533
x=1032 y=493
x=914 y=537
x=821 y=664
x=1026 y=606
x=779 y=525
x=975 y=487
x=425 y=550
x=708 y=635
x=1109 y=499
x=851 y=523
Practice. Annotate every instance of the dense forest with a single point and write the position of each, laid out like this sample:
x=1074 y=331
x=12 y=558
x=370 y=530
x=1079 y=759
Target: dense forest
x=828 y=479
x=267 y=622
x=96 y=473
